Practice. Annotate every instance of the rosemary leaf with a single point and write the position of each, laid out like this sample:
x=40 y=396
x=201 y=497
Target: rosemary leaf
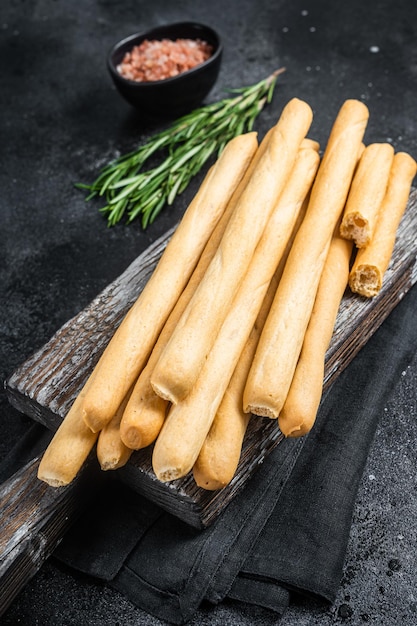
x=132 y=192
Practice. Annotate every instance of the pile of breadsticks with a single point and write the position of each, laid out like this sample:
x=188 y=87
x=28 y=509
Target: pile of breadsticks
x=238 y=314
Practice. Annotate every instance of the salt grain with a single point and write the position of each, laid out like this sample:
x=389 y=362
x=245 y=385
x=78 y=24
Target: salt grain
x=161 y=59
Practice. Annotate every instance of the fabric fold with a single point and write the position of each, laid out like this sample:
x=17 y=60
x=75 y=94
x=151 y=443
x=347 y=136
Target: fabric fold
x=286 y=532
x=202 y=565
x=303 y=545
x=264 y=593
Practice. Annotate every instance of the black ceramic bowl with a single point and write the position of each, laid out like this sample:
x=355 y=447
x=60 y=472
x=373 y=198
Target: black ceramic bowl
x=175 y=96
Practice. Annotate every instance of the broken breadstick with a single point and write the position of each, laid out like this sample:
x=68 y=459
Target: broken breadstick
x=130 y=346
x=183 y=357
x=145 y=412
x=301 y=405
x=188 y=422
x=366 y=194
x=280 y=344
x=371 y=263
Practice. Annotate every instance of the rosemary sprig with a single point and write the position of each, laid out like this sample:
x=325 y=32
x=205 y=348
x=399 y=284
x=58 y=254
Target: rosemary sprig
x=130 y=191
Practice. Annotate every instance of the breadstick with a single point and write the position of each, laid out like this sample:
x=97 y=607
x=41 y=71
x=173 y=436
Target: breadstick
x=145 y=412
x=371 y=263
x=112 y=453
x=188 y=422
x=220 y=453
x=182 y=359
x=280 y=344
x=144 y=415
x=130 y=346
x=69 y=447
x=366 y=194
x=301 y=405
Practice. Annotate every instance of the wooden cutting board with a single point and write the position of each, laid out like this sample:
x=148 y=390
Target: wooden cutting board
x=46 y=384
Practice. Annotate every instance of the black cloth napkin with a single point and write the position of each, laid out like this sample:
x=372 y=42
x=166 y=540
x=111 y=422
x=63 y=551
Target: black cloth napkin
x=287 y=531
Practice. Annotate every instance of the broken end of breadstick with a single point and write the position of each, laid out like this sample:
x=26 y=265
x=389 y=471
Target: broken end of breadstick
x=366 y=194
x=261 y=410
x=356 y=228
x=58 y=476
x=256 y=401
x=52 y=480
x=365 y=280
x=168 y=474
x=119 y=459
x=112 y=452
x=175 y=450
x=171 y=392
x=169 y=379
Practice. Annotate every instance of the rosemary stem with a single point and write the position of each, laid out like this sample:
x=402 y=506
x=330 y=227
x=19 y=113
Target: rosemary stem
x=131 y=192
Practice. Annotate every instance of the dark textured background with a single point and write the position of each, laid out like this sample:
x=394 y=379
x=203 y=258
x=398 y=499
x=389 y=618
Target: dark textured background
x=61 y=119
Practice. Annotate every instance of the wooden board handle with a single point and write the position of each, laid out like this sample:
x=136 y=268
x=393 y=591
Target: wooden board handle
x=34 y=518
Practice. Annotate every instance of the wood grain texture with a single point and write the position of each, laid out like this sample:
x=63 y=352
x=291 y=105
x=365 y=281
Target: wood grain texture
x=34 y=518
x=45 y=385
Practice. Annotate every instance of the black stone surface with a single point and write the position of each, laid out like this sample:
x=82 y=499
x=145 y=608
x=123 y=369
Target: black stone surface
x=61 y=119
